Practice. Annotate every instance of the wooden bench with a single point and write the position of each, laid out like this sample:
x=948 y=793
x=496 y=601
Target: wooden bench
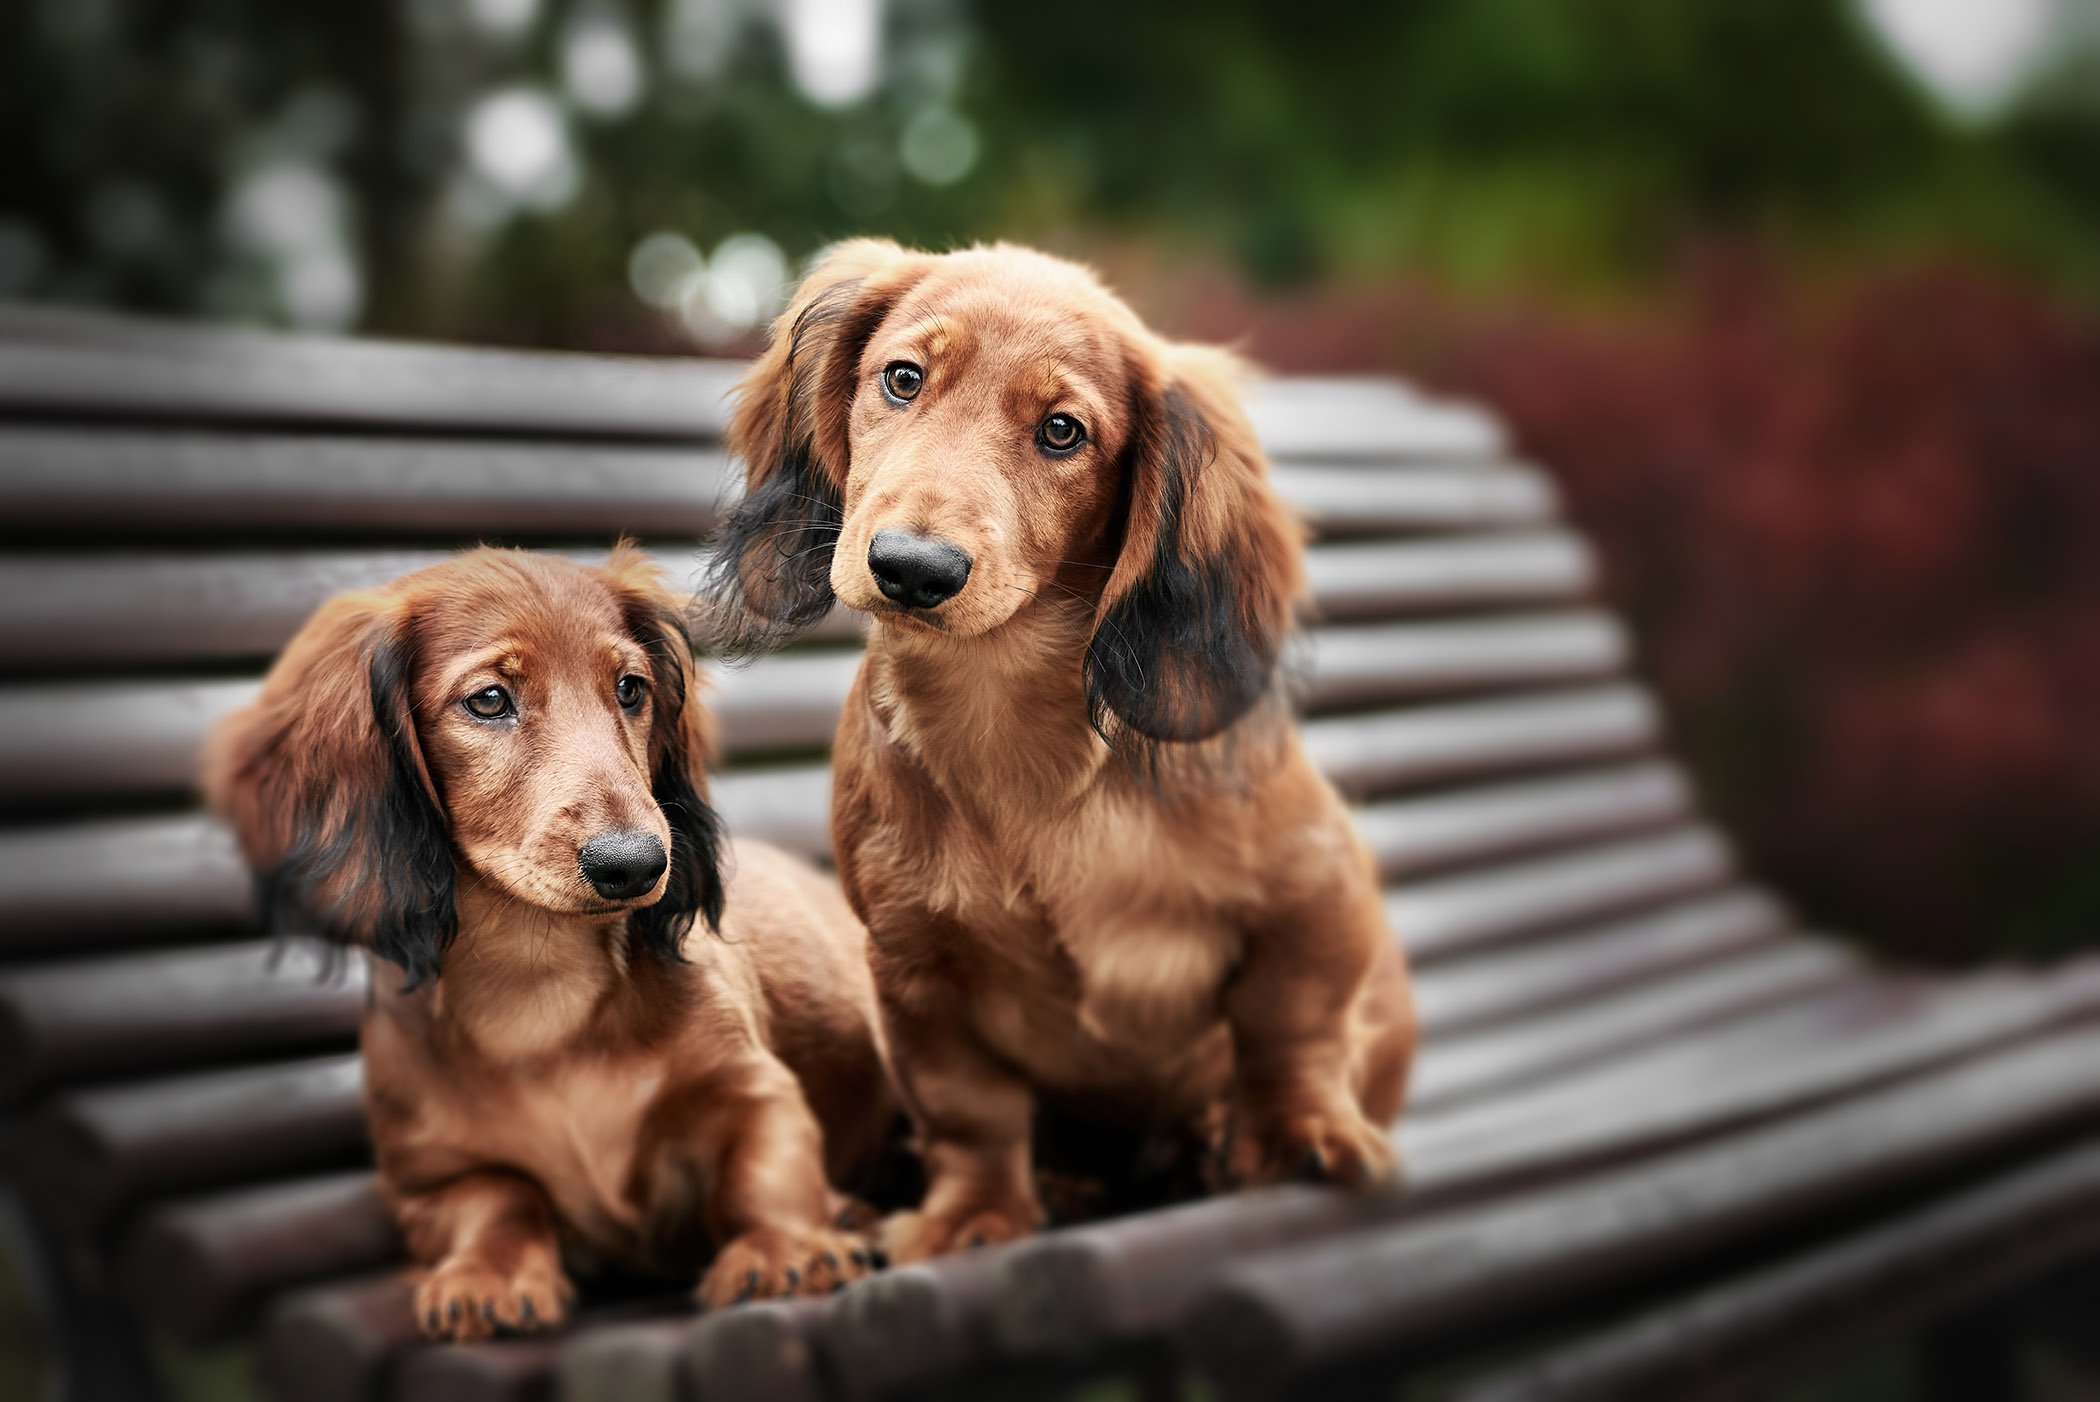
x=1651 y=1116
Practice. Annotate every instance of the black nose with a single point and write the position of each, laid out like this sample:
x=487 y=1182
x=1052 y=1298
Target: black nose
x=622 y=863
x=915 y=571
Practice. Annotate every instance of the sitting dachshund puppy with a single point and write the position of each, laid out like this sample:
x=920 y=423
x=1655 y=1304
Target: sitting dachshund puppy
x=1100 y=876
x=490 y=775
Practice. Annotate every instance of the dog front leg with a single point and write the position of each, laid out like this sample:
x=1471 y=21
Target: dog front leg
x=493 y=1259
x=974 y=1119
x=768 y=1204
x=1298 y=1014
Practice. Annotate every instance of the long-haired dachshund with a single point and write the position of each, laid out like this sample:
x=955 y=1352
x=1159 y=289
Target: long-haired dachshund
x=1099 y=873
x=490 y=774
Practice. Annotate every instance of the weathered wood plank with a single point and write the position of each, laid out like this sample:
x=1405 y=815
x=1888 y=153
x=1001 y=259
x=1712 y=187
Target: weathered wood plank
x=1495 y=987
x=1761 y=1329
x=1436 y=917
x=145 y=880
x=1382 y=579
x=73 y=478
x=1812 y=1049
x=176 y=483
x=85 y=612
x=334 y=1342
x=187 y=374
x=93 y=1152
x=1366 y=754
x=1423 y=833
x=1501 y=1060
x=1366 y=664
x=80 y=1020
x=253 y=378
x=201 y=1267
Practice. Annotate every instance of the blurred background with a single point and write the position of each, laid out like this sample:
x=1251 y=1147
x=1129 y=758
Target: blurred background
x=1799 y=298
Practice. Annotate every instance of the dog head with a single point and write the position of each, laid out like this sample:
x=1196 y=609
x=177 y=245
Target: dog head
x=506 y=718
x=943 y=441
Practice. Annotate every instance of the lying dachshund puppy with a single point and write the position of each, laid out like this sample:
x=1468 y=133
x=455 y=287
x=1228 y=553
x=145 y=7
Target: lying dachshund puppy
x=490 y=775
x=1101 y=878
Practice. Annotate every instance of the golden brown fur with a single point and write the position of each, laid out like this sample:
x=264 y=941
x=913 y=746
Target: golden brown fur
x=570 y=1074
x=1097 y=868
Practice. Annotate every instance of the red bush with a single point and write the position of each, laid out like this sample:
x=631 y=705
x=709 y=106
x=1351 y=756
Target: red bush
x=1858 y=535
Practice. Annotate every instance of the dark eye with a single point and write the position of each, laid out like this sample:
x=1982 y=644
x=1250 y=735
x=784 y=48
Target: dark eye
x=1060 y=433
x=628 y=691
x=902 y=381
x=490 y=703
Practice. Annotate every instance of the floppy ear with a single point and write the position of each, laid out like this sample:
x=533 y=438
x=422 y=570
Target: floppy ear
x=323 y=781
x=1211 y=566
x=771 y=574
x=681 y=746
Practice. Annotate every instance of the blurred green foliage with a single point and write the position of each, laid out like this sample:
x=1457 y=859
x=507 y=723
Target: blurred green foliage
x=1576 y=147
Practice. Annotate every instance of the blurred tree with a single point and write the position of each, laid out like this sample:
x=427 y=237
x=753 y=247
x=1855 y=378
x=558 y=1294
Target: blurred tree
x=486 y=167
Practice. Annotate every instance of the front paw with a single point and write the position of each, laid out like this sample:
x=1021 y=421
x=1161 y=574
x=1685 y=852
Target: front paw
x=775 y=1263
x=1336 y=1146
x=465 y=1298
x=919 y=1236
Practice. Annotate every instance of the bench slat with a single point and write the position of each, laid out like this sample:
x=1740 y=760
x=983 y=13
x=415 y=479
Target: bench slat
x=1279 y=1318
x=1649 y=1012
x=370 y=385
x=1362 y=664
x=81 y=612
x=1810 y=1050
x=630 y=1363
x=1440 y=916
x=1365 y=754
x=192 y=375
x=96 y=1151
x=87 y=738
x=1357 y=581
x=1756 y=1330
x=96 y=479
x=101 y=480
x=78 y=1021
x=138 y=880
x=1415 y=835
x=201 y=1266
x=119 y=880
x=1491 y=988
x=334 y=1342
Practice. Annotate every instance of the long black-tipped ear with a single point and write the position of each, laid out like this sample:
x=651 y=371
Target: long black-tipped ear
x=418 y=910
x=681 y=745
x=1205 y=584
x=770 y=577
x=323 y=780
